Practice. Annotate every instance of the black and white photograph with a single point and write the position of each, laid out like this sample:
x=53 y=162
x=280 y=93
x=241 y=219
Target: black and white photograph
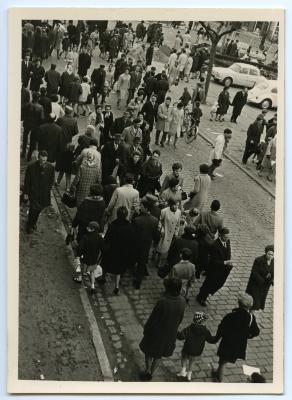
x=147 y=215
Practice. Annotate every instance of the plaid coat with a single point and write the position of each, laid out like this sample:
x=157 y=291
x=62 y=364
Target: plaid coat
x=86 y=176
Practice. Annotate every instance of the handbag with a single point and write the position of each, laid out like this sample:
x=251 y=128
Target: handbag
x=69 y=200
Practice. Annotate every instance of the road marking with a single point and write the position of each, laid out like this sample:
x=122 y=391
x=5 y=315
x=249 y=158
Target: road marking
x=96 y=335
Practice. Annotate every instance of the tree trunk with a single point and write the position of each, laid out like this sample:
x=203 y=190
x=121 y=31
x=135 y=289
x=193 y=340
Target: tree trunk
x=210 y=66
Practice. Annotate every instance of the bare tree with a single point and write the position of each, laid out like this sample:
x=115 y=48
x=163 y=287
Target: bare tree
x=215 y=35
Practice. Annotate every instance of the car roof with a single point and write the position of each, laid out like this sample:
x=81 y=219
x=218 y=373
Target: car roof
x=246 y=65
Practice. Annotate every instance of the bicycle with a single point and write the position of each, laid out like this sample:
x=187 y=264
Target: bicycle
x=190 y=128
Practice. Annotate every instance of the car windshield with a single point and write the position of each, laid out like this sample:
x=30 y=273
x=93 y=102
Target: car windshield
x=235 y=67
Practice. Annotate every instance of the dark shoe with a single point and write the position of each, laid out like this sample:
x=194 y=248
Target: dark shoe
x=162 y=144
x=200 y=301
x=77 y=280
x=116 y=291
x=93 y=290
x=214 y=375
x=145 y=376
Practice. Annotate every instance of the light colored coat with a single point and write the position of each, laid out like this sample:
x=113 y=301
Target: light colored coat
x=219 y=147
x=130 y=133
x=163 y=117
x=182 y=59
x=202 y=184
x=125 y=196
x=123 y=86
x=177 y=117
x=169 y=227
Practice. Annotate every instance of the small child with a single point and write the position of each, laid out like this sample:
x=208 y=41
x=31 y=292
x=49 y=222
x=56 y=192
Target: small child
x=213 y=111
x=88 y=253
x=195 y=336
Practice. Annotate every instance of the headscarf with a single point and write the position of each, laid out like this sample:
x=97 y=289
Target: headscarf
x=89 y=159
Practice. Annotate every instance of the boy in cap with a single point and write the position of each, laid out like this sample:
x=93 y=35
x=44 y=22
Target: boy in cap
x=195 y=336
x=88 y=252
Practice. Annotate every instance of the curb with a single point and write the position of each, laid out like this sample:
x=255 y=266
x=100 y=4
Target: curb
x=240 y=167
x=95 y=332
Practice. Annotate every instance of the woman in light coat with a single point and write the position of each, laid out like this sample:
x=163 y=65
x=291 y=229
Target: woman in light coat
x=177 y=117
x=163 y=120
x=199 y=194
x=173 y=73
x=188 y=67
x=123 y=86
x=169 y=228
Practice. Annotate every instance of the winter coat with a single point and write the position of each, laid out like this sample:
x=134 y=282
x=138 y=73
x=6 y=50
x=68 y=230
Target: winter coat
x=118 y=254
x=66 y=80
x=150 y=112
x=176 y=121
x=50 y=139
x=125 y=196
x=234 y=331
x=145 y=230
x=89 y=248
x=223 y=103
x=161 y=327
x=239 y=102
x=195 y=337
x=38 y=183
x=202 y=183
x=259 y=282
x=84 y=179
x=38 y=74
x=183 y=242
x=163 y=117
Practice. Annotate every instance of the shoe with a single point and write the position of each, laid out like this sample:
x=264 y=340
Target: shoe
x=77 y=280
x=201 y=302
x=93 y=290
x=214 y=375
x=145 y=376
x=116 y=291
x=189 y=376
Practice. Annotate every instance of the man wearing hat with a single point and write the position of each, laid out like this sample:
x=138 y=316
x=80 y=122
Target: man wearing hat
x=198 y=94
x=219 y=267
x=38 y=181
x=254 y=133
x=50 y=135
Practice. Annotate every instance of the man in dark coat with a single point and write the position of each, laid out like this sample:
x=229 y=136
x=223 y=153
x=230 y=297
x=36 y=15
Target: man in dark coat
x=38 y=74
x=150 y=84
x=84 y=62
x=223 y=104
x=149 y=111
x=112 y=155
x=140 y=31
x=161 y=328
x=98 y=80
x=161 y=88
x=121 y=123
x=145 y=229
x=33 y=117
x=38 y=182
x=261 y=278
x=53 y=79
x=72 y=31
x=219 y=267
x=50 y=135
x=120 y=67
x=45 y=102
x=254 y=133
x=108 y=119
x=149 y=54
x=26 y=70
x=238 y=103
x=234 y=331
x=134 y=83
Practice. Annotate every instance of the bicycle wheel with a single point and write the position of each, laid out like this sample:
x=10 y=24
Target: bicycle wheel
x=191 y=134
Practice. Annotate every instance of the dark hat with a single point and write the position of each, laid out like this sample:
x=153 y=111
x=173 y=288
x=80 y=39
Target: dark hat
x=223 y=231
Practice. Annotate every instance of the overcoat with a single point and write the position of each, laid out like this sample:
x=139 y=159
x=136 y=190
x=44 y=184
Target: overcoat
x=169 y=227
x=161 y=327
x=239 y=102
x=145 y=229
x=234 y=331
x=202 y=183
x=66 y=80
x=85 y=177
x=50 y=139
x=163 y=117
x=223 y=103
x=259 y=281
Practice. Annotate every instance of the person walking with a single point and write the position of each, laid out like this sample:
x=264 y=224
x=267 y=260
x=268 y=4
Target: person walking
x=163 y=121
x=149 y=54
x=194 y=336
x=238 y=102
x=38 y=182
x=220 y=146
x=223 y=104
x=123 y=86
x=261 y=278
x=149 y=111
x=145 y=229
x=175 y=125
x=150 y=175
x=118 y=254
x=50 y=134
x=88 y=253
x=211 y=218
x=219 y=268
x=198 y=196
x=84 y=62
x=169 y=224
x=254 y=133
x=98 y=81
x=53 y=79
x=38 y=73
x=161 y=328
x=124 y=196
x=234 y=331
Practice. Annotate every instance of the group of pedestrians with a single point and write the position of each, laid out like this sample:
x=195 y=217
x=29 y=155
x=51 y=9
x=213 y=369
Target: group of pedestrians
x=125 y=215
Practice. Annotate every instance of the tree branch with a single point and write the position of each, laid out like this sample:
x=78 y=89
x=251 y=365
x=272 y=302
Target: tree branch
x=208 y=28
x=226 y=32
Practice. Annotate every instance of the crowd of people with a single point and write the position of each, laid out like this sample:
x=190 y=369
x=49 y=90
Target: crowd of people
x=125 y=215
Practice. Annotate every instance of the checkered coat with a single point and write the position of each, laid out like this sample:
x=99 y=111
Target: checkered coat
x=86 y=176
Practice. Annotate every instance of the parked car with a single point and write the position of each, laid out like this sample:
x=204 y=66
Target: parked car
x=239 y=74
x=264 y=94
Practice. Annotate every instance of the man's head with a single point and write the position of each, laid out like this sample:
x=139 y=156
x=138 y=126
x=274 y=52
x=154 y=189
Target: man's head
x=173 y=286
x=204 y=168
x=108 y=108
x=27 y=57
x=176 y=169
x=172 y=205
x=53 y=67
x=90 y=130
x=117 y=138
x=227 y=134
x=215 y=205
x=245 y=301
x=223 y=234
x=168 y=101
x=154 y=98
x=145 y=205
x=96 y=189
x=174 y=184
x=129 y=179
